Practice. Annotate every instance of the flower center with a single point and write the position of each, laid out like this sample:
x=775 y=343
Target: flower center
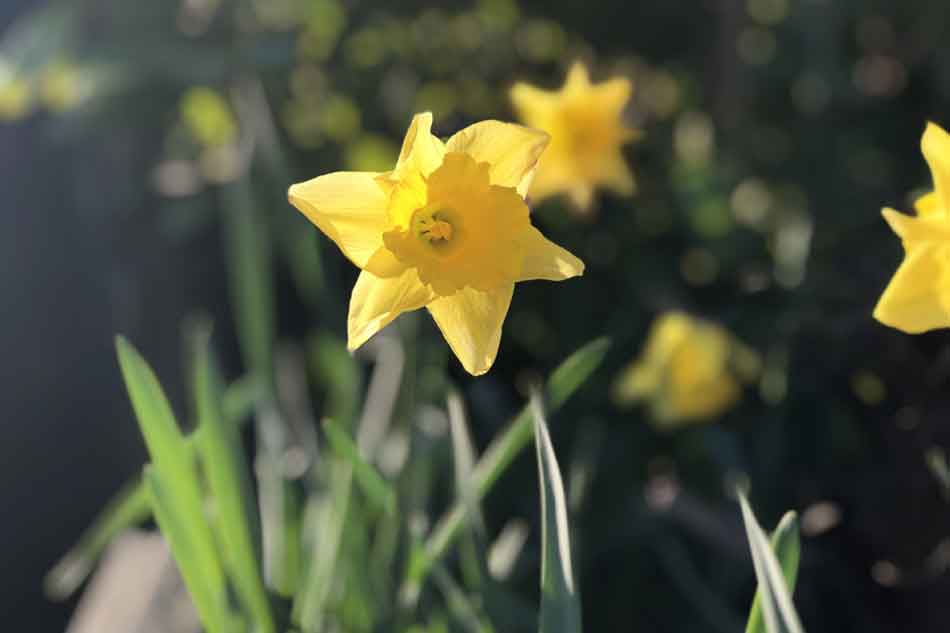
x=435 y=226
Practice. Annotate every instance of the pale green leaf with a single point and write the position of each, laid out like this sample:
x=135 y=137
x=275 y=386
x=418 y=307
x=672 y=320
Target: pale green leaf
x=778 y=612
x=560 y=605
x=786 y=545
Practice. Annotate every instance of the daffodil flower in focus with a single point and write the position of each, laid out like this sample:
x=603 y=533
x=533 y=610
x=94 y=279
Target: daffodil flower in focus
x=918 y=296
x=690 y=371
x=447 y=229
x=587 y=134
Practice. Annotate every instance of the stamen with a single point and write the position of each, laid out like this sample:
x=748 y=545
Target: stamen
x=439 y=230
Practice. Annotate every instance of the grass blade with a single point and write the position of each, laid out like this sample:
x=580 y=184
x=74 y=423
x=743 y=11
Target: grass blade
x=786 y=544
x=128 y=507
x=279 y=501
x=331 y=515
x=226 y=468
x=377 y=489
x=207 y=597
x=131 y=506
x=463 y=457
x=250 y=274
x=560 y=605
x=777 y=609
x=173 y=463
x=562 y=383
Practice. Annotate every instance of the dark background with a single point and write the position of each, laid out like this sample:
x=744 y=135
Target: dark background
x=830 y=122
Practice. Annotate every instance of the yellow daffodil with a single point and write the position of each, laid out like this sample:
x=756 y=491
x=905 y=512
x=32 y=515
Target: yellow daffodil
x=16 y=99
x=447 y=228
x=587 y=135
x=690 y=371
x=918 y=296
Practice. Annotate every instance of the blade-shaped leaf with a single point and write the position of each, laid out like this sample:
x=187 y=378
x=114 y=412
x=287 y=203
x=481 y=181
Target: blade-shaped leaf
x=223 y=461
x=209 y=599
x=463 y=455
x=372 y=483
x=786 y=544
x=129 y=507
x=560 y=605
x=777 y=609
x=279 y=501
x=250 y=275
x=174 y=464
x=562 y=383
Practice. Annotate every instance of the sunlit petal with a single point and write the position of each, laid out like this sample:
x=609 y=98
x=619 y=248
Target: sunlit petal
x=349 y=207
x=376 y=301
x=421 y=151
x=470 y=321
x=911 y=302
x=511 y=150
x=546 y=260
x=936 y=148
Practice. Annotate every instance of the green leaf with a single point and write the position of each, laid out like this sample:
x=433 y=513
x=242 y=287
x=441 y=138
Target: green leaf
x=332 y=510
x=462 y=607
x=173 y=463
x=372 y=483
x=560 y=605
x=206 y=594
x=336 y=369
x=786 y=545
x=777 y=609
x=463 y=456
x=251 y=277
x=280 y=503
x=128 y=507
x=561 y=385
x=225 y=465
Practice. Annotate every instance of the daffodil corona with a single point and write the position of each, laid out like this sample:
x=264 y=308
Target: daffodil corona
x=447 y=229
x=587 y=134
x=918 y=296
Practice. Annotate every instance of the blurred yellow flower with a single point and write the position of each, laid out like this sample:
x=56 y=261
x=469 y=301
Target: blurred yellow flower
x=208 y=117
x=690 y=371
x=447 y=228
x=61 y=86
x=16 y=99
x=587 y=134
x=918 y=296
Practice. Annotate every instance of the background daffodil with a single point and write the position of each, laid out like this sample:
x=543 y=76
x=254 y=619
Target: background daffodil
x=918 y=297
x=690 y=370
x=447 y=228
x=587 y=135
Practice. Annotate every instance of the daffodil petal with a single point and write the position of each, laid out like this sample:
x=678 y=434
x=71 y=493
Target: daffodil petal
x=617 y=175
x=577 y=77
x=349 y=207
x=913 y=229
x=582 y=196
x=614 y=93
x=927 y=204
x=470 y=321
x=544 y=259
x=935 y=145
x=421 y=151
x=511 y=150
x=533 y=105
x=376 y=301
x=911 y=303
